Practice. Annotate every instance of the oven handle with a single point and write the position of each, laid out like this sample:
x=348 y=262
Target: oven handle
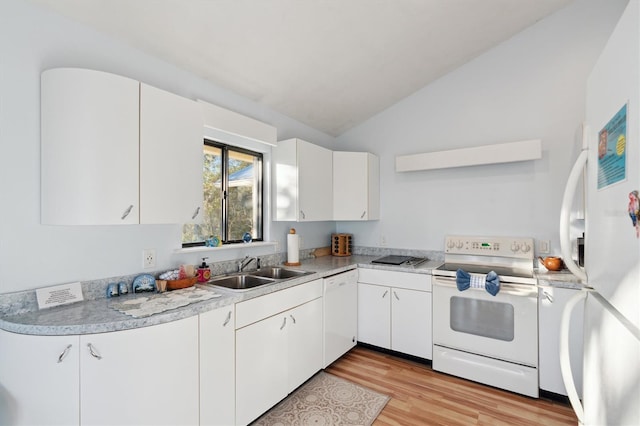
x=511 y=289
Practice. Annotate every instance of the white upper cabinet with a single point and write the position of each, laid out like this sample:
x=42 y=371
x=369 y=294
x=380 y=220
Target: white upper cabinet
x=115 y=151
x=356 y=186
x=303 y=182
x=171 y=157
x=89 y=148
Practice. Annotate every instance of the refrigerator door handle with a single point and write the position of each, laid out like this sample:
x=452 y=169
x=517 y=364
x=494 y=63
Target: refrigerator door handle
x=565 y=360
x=567 y=200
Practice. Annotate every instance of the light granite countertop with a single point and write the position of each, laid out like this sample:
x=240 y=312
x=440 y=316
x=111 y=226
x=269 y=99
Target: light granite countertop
x=563 y=278
x=98 y=316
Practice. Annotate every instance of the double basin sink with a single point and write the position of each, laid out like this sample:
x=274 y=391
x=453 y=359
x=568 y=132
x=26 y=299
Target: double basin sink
x=243 y=281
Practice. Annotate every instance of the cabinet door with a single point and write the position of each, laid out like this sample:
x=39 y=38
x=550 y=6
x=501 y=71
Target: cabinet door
x=315 y=182
x=305 y=342
x=89 y=148
x=144 y=376
x=374 y=315
x=355 y=186
x=551 y=303
x=217 y=367
x=171 y=158
x=411 y=322
x=39 y=380
x=261 y=367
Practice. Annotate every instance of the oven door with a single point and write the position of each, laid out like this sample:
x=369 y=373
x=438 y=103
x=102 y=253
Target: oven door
x=504 y=326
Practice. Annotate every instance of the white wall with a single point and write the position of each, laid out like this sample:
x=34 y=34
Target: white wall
x=531 y=86
x=31 y=255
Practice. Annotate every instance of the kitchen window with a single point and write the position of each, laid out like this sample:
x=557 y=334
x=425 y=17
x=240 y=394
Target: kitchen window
x=232 y=196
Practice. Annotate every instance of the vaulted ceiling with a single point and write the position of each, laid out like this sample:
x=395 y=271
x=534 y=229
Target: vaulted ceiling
x=330 y=64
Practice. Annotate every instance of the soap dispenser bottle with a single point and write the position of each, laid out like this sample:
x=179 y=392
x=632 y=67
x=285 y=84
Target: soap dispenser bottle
x=204 y=273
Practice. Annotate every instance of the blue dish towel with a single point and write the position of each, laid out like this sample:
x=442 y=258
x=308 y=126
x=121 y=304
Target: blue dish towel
x=491 y=282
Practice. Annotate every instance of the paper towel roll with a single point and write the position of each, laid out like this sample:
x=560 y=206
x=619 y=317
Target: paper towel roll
x=293 y=248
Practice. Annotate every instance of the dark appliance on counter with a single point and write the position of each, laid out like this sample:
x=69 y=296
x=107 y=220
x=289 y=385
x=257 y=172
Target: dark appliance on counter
x=397 y=260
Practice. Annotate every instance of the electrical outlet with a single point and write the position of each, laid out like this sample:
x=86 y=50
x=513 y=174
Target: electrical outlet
x=543 y=246
x=148 y=258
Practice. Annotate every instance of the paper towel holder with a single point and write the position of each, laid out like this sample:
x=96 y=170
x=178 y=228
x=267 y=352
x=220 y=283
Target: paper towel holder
x=292 y=252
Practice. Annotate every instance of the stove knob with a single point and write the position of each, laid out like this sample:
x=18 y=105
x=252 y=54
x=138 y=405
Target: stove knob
x=450 y=244
x=459 y=244
x=515 y=247
x=526 y=248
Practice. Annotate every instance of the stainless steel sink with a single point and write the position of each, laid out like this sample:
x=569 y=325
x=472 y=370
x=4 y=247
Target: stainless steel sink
x=248 y=280
x=240 y=281
x=279 y=273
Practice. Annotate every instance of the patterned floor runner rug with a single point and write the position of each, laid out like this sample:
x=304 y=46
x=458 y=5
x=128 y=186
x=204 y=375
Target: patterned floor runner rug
x=326 y=400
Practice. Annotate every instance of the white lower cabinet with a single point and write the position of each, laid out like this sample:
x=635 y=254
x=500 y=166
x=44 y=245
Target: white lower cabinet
x=118 y=378
x=374 y=315
x=217 y=367
x=551 y=303
x=261 y=367
x=304 y=355
x=279 y=348
x=394 y=311
x=39 y=379
x=411 y=322
x=143 y=376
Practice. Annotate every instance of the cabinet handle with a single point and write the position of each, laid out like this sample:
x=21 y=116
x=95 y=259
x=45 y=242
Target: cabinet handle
x=195 y=213
x=293 y=318
x=548 y=296
x=126 y=212
x=94 y=353
x=385 y=294
x=64 y=353
x=363 y=214
x=283 y=323
x=226 y=321
x=302 y=214
x=396 y=295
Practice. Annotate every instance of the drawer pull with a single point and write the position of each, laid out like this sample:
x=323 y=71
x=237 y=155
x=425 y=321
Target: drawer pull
x=226 y=321
x=126 y=212
x=196 y=212
x=64 y=353
x=283 y=323
x=94 y=353
x=385 y=294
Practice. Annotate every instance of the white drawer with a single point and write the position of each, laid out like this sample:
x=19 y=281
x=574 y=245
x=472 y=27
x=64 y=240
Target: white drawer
x=397 y=279
x=256 y=309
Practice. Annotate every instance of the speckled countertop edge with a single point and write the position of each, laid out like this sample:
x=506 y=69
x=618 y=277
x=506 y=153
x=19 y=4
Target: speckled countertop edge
x=564 y=279
x=96 y=316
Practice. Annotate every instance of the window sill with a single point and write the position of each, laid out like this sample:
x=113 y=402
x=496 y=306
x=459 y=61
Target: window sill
x=202 y=249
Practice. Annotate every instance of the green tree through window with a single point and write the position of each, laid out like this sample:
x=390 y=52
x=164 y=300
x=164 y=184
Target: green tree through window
x=232 y=196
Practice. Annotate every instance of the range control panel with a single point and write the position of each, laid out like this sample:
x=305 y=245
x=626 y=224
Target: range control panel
x=515 y=247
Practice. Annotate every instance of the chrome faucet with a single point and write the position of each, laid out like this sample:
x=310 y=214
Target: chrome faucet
x=246 y=261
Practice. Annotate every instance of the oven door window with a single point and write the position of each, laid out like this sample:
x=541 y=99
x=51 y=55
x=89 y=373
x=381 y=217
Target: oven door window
x=494 y=320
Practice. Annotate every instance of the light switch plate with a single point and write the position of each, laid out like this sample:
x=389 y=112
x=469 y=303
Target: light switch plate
x=543 y=246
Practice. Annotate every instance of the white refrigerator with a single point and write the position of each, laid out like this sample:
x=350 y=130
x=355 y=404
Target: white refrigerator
x=611 y=152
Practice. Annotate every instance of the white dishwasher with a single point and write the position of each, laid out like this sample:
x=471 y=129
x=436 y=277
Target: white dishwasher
x=340 y=314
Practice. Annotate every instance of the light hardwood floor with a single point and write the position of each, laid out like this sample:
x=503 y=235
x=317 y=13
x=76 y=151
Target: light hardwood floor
x=421 y=396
